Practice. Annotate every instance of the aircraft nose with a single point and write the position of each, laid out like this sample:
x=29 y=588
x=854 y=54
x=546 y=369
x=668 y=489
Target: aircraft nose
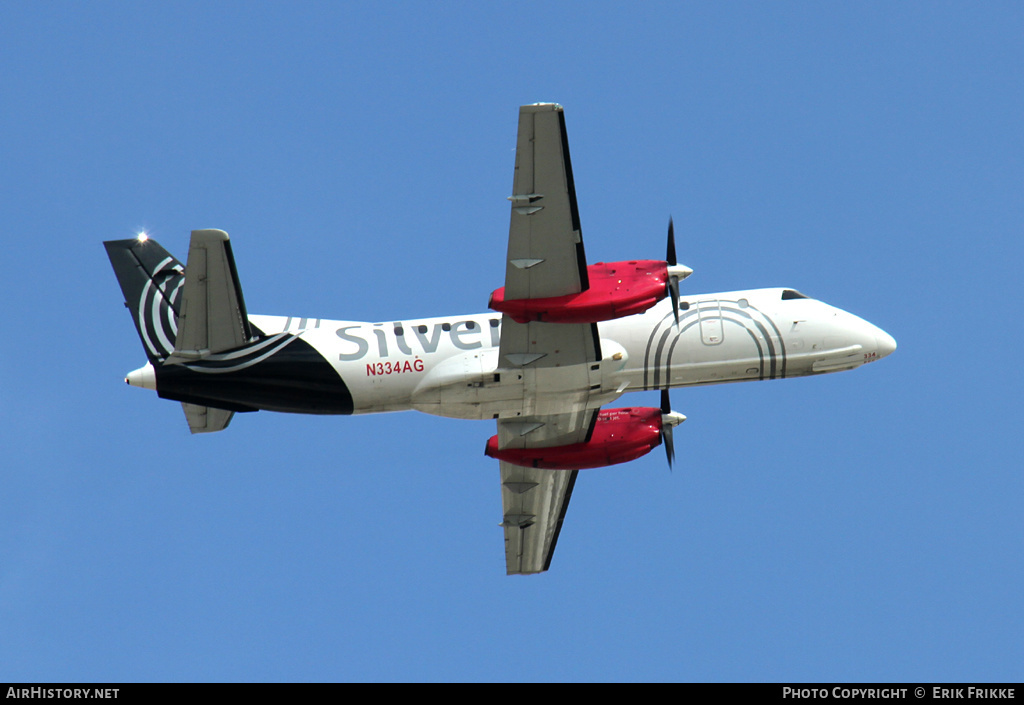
x=885 y=344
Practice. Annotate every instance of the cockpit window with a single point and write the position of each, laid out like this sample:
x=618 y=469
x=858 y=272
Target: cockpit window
x=792 y=294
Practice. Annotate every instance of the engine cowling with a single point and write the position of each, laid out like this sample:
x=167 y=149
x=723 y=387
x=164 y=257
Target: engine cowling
x=616 y=289
x=620 y=435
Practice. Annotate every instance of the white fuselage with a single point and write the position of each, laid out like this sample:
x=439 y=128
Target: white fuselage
x=450 y=366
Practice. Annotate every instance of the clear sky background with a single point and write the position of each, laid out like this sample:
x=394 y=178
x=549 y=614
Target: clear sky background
x=859 y=526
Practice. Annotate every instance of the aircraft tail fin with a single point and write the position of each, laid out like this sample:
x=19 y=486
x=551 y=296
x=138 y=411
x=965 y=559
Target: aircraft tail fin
x=151 y=280
x=184 y=318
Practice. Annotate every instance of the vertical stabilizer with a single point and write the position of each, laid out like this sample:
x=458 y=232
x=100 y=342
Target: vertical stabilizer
x=151 y=280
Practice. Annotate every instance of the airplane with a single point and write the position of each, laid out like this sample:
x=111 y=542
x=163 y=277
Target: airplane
x=562 y=340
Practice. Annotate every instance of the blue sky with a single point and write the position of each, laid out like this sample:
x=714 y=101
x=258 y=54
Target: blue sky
x=858 y=526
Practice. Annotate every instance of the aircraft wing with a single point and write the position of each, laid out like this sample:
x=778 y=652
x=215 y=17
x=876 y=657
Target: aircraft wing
x=545 y=245
x=558 y=362
x=534 y=502
x=545 y=259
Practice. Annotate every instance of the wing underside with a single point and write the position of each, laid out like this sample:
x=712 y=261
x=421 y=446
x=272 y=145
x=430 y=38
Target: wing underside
x=545 y=243
x=534 y=503
x=558 y=362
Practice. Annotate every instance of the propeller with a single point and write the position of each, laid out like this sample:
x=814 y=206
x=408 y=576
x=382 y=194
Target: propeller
x=669 y=420
x=672 y=286
x=676 y=272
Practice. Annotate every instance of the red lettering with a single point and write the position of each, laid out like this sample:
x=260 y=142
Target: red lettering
x=374 y=369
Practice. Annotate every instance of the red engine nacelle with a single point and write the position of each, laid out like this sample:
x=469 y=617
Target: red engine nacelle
x=616 y=289
x=619 y=435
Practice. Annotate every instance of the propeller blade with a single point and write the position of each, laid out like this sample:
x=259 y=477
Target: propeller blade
x=669 y=420
x=670 y=256
x=672 y=286
x=666 y=429
x=673 y=293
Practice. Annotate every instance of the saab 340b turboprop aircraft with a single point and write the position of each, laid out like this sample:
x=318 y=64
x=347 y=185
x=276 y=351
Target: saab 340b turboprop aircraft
x=566 y=340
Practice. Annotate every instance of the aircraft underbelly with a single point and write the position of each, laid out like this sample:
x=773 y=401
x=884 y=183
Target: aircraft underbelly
x=472 y=386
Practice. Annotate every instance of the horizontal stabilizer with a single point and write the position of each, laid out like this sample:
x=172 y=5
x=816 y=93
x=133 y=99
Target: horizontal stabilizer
x=206 y=419
x=212 y=316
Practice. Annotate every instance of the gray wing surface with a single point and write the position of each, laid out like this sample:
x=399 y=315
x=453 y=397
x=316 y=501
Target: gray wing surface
x=558 y=362
x=534 y=502
x=213 y=317
x=545 y=244
x=546 y=258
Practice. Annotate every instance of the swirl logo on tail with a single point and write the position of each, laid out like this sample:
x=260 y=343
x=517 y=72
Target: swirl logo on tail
x=151 y=280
